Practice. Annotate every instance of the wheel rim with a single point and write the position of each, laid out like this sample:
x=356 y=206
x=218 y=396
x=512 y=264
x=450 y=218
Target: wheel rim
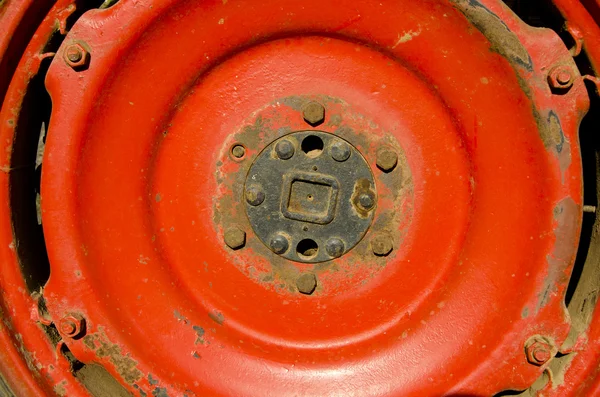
x=139 y=189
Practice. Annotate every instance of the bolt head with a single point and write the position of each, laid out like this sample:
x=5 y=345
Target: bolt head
x=238 y=151
x=284 y=149
x=539 y=350
x=72 y=326
x=340 y=151
x=235 y=238
x=255 y=195
x=279 y=244
x=307 y=283
x=366 y=200
x=313 y=113
x=387 y=159
x=382 y=245
x=334 y=247
x=77 y=57
x=561 y=78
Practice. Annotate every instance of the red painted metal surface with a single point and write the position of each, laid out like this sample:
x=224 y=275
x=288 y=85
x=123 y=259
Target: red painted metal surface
x=136 y=161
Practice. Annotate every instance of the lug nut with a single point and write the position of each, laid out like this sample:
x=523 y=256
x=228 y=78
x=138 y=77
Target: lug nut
x=387 y=159
x=382 y=245
x=255 y=195
x=539 y=350
x=340 y=151
x=235 y=238
x=72 y=325
x=561 y=78
x=238 y=151
x=77 y=57
x=279 y=244
x=366 y=201
x=334 y=247
x=313 y=113
x=307 y=283
x=284 y=149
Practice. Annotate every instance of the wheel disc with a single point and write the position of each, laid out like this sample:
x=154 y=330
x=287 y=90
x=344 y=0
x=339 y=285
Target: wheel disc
x=422 y=244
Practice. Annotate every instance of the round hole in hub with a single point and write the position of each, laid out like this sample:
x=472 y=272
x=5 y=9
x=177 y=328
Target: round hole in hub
x=312 y=145
x=307 y=248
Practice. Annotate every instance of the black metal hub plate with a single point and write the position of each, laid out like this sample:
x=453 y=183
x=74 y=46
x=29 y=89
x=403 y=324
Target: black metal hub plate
x=310 y=196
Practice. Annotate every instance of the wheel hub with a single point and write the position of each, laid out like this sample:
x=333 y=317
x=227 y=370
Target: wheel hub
x=319 y=196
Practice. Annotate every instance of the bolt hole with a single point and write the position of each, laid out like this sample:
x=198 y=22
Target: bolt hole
x=312 y=145
x=309 y=197
x=307 y=248
x=305 y=228
x=315 y=168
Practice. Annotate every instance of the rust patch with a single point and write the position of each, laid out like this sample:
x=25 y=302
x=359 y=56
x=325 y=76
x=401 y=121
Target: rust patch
x=125 y=366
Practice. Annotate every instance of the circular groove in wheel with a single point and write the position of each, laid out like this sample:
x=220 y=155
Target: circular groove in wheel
x=139 y=187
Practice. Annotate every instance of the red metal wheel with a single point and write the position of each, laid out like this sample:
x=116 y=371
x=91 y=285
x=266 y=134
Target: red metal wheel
x=263 y=198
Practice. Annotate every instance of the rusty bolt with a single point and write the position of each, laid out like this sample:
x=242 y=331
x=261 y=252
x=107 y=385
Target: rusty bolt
x=72 y=325
x=284 y=149
x=313 y=113
x=279 y=244
x=539 y=350
x=561 y=78
x=255 y=195
x=235 y=238
x=382 y=245
x=334 y=247
x=366 y=201
x=238 y=151
x=307 y=283
x=340 y=151
x=77 y=57
x=387 y=159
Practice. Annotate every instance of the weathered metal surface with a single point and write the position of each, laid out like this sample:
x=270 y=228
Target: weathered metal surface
x=475 y=214
x=311 y=197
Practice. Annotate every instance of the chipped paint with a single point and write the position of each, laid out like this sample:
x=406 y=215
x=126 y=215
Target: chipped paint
x=124 y=365
x=199 y=334
x=503 y=40
x=217 y=317
x=406 y=37
x=60 y=389
x=566 y=215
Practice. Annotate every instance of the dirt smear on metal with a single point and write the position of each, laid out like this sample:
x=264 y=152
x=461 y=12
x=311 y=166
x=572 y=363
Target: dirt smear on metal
x=125 y=366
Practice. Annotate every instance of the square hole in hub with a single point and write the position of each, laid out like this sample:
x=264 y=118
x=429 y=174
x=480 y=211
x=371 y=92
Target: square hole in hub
x=309 y=197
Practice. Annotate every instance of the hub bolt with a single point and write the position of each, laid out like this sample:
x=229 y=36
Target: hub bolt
x=307 y=283
x=366 y=201
x=539 y=350
x=284 y=149
x=238 y=151
x=382 y=245
x=561 y=78
x=313 y=113
x=279 y=244
x=334 y=247
x=387 y=159
x=72 y=325
x=77 y=57
x=255 y=195
x=340 y=151
x=235 y=238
